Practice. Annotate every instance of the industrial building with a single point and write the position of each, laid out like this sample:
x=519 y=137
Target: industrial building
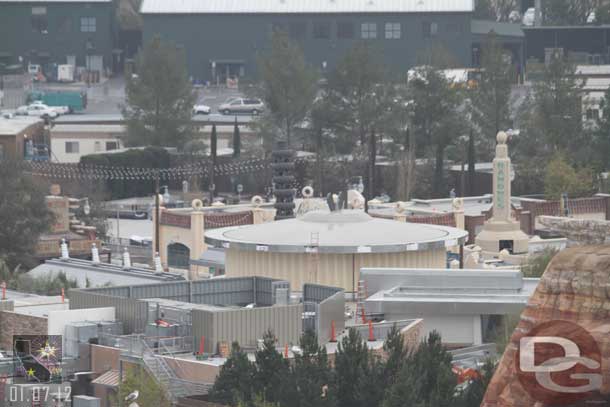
x=459 y=304
x=330 y=247
x=222 y=39
x=46 y=32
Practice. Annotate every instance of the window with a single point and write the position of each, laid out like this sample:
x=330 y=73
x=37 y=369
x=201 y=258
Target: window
x=111 y=145
x=321 y=30
x=298 y=30
x=368 y=30
x=65 y=24
x=392 y=31
x=97 y=146
x=72 y=147
x=430 y=29
x=345 y=30
x=88 y=24
x=39 y=19
x=592 y=114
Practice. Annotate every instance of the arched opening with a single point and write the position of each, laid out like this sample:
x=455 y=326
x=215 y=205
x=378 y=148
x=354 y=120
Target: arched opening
x=178 y=256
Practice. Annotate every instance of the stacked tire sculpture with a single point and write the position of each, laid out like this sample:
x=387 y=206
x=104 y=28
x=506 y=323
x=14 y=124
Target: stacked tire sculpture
x=283 y=177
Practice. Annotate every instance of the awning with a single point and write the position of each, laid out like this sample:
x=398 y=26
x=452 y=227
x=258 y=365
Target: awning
x=108 y=379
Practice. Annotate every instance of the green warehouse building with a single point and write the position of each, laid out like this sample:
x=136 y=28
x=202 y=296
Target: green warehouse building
x=222 y=38
x=47 y=32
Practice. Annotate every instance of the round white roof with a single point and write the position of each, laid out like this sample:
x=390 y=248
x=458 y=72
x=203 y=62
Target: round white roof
x=347 y=231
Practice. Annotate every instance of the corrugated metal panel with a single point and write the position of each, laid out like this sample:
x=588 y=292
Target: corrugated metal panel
x=329 y=310
x=229 y=291
x=132 y=313
x=300 y=6
x=318 y=293
x=178 y=291
x=112 y=291
x=246 y=326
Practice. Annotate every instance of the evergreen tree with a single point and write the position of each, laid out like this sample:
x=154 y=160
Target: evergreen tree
x=159 y=99
x=236 y=141
x=24 y=215
x=483 y=10
x=312 y=374
x=235 y=382
x=472 y=160
x=491 y=98
x=351 y=366
x=396 y=355
x=360 y=95
x=271 y=370
x=435 y=117
x=561 y=177
x=474 y=393
x=288 y=84
x=602 y=134
x=426 y=379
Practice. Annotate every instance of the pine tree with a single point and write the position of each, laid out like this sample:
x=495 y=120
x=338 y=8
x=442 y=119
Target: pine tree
x=312 y=374
x=160 y=98
x=426 y=379
x=288 y=84
x=271 y=370
x=236 y=141
x=396 y=355
x=235 y=382
x=351 y=366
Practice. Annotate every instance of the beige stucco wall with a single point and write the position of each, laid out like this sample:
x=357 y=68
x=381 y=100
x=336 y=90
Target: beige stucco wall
x=340 y=270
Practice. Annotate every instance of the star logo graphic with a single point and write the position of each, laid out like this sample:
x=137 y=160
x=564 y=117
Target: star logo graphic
x=31 y=372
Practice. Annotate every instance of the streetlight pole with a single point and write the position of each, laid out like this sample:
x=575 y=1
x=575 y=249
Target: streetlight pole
x=157 y=203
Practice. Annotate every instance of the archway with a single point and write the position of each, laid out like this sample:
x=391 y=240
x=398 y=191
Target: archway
x=178 y=256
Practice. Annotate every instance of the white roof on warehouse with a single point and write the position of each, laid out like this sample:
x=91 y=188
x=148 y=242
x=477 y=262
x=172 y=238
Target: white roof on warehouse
x=303 y=6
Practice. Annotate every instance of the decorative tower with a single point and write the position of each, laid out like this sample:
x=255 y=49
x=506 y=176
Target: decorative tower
x=283 y=179
x=502 y=231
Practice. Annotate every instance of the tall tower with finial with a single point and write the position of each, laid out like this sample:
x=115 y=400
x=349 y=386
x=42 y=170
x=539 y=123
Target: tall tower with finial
x=502 y=231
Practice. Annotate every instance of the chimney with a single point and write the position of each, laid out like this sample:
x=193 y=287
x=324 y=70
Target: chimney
x=65 y=254
x=126 y=260
x=95 y=254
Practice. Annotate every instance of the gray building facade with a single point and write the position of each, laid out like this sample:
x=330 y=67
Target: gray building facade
x=45 y=32
x=222 y=42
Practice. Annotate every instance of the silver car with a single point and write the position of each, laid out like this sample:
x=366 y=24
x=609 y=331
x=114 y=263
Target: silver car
x=241 y=106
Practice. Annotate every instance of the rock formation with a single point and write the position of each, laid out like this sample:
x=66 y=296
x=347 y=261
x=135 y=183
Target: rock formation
x=573 y=292
x=583 y=231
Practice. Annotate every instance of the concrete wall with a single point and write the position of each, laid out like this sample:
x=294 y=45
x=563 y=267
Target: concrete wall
x=242 y=37
x=337 y=270
x=12 y=323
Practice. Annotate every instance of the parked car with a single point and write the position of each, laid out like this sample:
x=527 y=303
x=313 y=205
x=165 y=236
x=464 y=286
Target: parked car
x=59 y=109
x=201 y=109
x=37 y=109
x=242 y=105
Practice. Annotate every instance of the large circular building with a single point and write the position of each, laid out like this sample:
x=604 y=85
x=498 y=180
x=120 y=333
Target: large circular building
x=329 y=248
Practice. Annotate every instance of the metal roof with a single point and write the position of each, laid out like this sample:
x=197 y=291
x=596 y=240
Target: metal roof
x=300 y=6
x=88 y=128
x=109 y=379
x=100 y=274
x=347 y=231
x=16 y=124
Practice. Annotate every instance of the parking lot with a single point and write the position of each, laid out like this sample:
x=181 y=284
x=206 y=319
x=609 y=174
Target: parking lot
x=107 y=96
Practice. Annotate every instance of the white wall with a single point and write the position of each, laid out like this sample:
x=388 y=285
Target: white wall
x=454 y=329
x=58 y=319
x=86 y=146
